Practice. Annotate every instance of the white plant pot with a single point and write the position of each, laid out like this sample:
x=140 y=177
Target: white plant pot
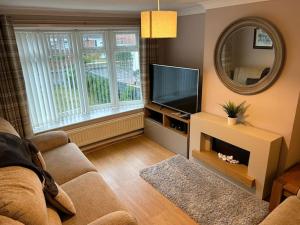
x=231 y=121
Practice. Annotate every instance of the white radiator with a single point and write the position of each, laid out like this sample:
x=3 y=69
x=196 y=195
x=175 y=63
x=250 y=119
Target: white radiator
x=106 y=129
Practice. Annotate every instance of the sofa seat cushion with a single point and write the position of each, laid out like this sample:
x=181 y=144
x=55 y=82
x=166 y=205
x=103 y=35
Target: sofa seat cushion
x=287 y=213
x=92 y=198
x=67 y=162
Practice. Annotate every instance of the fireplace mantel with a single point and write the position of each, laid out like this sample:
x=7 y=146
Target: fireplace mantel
x=264 y=148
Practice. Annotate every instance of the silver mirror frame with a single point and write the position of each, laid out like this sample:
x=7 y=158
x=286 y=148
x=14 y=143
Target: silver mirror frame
x=279 y=59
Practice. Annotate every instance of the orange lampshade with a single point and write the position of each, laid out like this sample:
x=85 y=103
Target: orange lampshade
x=159 y=24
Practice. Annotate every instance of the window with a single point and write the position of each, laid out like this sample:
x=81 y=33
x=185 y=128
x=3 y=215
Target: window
x=73 y=76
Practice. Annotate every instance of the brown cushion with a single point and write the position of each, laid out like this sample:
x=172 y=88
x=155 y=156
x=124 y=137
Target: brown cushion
x=61 y=202
x=53 y=217
x=116 y=218
x=22 y=196
x=92 y=198
x=8 y=221
x=67 y=162
x=6 y=127
x=287 y=213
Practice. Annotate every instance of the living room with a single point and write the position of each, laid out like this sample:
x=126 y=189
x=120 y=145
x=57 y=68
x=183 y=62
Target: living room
x=149 y=112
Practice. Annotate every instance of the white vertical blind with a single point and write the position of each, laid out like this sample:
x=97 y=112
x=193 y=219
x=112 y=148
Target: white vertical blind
x=71 y=76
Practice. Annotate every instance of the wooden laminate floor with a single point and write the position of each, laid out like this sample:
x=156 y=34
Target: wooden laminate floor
x=119 y=164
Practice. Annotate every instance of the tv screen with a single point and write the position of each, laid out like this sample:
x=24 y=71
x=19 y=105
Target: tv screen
x=175 y=87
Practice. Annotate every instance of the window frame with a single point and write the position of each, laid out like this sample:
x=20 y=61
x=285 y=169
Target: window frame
x=125 y=48
x=110 y=47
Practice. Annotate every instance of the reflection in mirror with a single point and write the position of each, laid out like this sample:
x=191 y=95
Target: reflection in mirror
x=247 y=55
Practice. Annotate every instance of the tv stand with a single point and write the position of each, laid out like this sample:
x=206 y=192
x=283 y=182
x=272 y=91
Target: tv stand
x=185 y=116
x=167 y=127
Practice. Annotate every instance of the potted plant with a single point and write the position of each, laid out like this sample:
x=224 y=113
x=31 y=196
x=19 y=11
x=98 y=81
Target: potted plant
x=232 y=110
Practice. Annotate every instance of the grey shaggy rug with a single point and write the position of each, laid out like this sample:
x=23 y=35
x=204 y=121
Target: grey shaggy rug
x=206 y=197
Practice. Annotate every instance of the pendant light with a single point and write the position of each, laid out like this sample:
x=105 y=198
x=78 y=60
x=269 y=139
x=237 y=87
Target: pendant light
x=159 y=24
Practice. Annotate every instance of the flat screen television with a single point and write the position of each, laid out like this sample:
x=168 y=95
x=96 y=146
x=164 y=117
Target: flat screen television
x=175 y=87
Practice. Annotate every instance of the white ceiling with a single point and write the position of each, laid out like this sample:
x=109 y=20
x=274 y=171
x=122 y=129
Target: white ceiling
x=122 y=5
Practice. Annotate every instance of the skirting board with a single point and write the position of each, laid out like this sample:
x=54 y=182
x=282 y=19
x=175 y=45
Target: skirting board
x=102 y=144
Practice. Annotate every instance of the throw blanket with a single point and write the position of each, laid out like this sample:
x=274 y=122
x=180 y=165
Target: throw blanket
x=15 y=151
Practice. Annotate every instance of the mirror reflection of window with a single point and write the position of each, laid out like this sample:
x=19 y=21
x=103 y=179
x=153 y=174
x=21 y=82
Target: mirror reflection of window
x=242 y=62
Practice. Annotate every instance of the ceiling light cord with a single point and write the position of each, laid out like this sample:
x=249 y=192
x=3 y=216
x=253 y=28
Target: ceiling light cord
x=158 y=5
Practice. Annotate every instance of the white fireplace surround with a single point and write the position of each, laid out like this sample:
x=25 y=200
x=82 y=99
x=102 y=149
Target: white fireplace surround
x=264 y=146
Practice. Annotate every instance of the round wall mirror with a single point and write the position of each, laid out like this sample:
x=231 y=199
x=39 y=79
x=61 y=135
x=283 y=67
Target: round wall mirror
x=249 y=56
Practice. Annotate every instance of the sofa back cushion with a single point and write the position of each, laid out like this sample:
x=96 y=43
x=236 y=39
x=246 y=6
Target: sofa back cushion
x=6 y=127
x=22 y=196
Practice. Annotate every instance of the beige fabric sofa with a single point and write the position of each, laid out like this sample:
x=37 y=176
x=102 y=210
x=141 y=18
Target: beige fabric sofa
x=94 y=201
x=287 y=213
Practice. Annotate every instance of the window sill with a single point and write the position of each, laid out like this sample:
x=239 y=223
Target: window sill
x=94 y=117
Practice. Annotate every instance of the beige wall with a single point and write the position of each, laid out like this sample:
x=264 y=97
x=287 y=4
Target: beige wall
x=187 y=49
x=275 y=108
x=294 y=149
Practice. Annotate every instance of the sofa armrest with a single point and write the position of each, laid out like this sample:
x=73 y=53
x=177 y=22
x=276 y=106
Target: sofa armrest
x=287 y=213
x=52 y=139
x=115 y=218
